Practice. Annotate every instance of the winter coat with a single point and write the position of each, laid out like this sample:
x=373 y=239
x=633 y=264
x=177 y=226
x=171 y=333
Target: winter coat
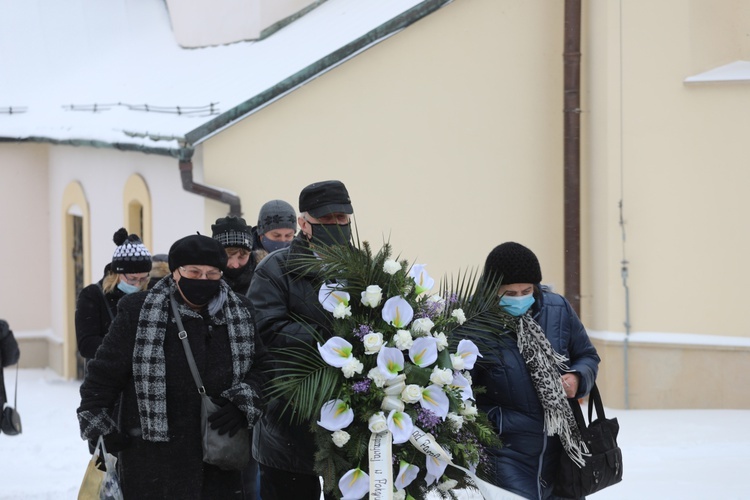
x=241 y=284
x=94 y=313
x=172 y=469
x=528 y=460
x=286 y=306
x=9 y=354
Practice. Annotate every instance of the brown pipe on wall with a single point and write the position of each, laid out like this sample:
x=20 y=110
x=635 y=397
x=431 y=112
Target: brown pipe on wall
x=571 y=153
x=186 y=173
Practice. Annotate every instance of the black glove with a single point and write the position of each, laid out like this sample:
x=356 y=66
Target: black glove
x=114 y=442
x=228 y=418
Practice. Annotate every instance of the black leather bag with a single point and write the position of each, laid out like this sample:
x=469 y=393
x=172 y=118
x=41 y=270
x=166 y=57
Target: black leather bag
x=10 y=420
x=603 y=466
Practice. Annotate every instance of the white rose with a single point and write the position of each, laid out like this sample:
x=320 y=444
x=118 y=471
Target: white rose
x=411 y=393
x=377 y=377
x=373 y=342
x=442 y=341
x=459 y=315
x=441 y=376
x=457 y=361
x=391 y=403
x=403 y=339
x=422 y=325
x=447 y=485
x=377 y=423
x=457 y=421
x=390 y=266
x=372 y=296
x=399 y=495
x=340 y=438
x=342 y=311
x=352 y=367
x=468 y=410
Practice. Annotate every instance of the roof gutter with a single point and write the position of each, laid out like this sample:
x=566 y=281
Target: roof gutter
x=186 y=174
x=314 y=70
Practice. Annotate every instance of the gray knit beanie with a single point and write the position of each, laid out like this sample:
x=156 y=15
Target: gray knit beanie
x=276 y=214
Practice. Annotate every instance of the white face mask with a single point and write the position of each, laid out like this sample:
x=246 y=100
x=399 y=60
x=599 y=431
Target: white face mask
x=128 y=288
x=517 y=306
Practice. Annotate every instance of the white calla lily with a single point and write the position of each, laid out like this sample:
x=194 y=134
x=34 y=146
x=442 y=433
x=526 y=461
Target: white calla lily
x=423 y=351
x=390 y=362
x=354 y=484
x=462 y=384
x=400 y=425
x=422 y=280
x=397 y=312
x=435 y=469
x=335 y=415
x=407 y=473
x=435 y=400
x=336 y=352
x=331 y=296
x=469 y=352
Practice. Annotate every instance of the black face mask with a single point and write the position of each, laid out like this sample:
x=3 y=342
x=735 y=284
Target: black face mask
x=331 y=234
x=198 y=292
x=234 y=273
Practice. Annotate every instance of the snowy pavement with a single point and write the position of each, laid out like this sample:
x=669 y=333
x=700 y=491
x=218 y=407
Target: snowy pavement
x=667 y=454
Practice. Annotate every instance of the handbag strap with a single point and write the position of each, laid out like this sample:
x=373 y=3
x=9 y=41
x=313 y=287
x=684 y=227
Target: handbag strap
x=188 y=352
x=106 y=302
x=595 y=399
x=15 y=389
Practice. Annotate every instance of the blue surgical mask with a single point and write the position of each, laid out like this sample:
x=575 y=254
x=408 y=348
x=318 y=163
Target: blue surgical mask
x=271 y=245
x=517 y=306
x=128 y=288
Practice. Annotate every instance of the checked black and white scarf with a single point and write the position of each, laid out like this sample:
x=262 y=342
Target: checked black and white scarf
x=149 y=367
x=543 y=362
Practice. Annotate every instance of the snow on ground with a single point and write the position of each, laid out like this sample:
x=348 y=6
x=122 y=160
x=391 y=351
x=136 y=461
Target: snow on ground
x=667 y=454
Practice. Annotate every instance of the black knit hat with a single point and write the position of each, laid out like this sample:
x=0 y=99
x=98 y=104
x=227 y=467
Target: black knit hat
x=276 y=214
x=326 y=197
x=233 y=231
x=514 y=262
x=130 y=256
x=197 y=250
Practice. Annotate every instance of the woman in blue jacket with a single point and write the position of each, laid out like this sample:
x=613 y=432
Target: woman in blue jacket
x=529 y=374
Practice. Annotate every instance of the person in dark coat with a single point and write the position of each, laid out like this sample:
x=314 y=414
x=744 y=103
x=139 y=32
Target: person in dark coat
x=9 y=354
x=529 y=374
x=159 y=269
x=285 y=301
x=142 y=361
x=96 y=305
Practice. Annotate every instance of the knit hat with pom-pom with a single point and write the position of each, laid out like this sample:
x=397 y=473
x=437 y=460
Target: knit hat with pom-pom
x=514 y=262
x=130 y=256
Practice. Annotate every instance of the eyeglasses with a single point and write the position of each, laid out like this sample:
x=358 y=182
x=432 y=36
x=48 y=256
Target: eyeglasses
x=135 y=280
x=194 y=273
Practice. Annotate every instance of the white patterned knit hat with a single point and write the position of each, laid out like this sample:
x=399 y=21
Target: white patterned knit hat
x=130 y=256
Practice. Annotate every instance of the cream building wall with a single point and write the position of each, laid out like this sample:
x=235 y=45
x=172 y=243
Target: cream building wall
x=676 y=156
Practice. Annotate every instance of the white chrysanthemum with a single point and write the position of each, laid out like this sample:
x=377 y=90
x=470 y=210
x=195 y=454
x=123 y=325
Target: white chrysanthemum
x=442 y=340
x=399 y=495
x=459 y=315
x=340 y=438
x=468 y=410
x=456 y=421
x=403 y=339
x=422 y=325
x=372 y=296
x=447 y=485
x=352 y=367
x=342 y=311
x=391 y=267
x=377 y=377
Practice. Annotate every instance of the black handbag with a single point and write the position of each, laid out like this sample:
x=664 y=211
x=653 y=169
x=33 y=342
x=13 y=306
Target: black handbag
x=221 y=450
x=10 y=420
x=603 y=465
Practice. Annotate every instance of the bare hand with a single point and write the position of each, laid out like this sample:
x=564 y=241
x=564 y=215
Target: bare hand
x=570 y=384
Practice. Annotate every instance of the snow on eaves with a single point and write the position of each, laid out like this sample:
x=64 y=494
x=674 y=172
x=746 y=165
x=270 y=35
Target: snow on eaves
x=85 y=70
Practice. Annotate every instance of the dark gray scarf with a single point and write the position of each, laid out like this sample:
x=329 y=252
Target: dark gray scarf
x=149 y=367
x=543 y=362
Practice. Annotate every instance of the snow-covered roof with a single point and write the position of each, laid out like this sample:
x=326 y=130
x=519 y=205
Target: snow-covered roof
x=111 y=74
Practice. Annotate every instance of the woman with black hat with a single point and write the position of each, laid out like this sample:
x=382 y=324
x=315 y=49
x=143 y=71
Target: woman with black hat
x=529 y=374
x=143 y=363
x=97 y=303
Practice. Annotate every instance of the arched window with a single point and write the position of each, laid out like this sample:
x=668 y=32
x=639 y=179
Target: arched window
x=136 y=201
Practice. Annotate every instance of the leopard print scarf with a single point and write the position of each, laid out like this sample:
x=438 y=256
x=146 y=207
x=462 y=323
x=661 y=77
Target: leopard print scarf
x=543 y=363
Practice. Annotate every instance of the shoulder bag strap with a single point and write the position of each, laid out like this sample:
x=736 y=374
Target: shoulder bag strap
x=106 y=302
x=186 y=345
x=595 y=399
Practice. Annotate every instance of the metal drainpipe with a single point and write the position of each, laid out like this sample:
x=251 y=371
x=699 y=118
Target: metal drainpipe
x=572 y=160
x=186 y=173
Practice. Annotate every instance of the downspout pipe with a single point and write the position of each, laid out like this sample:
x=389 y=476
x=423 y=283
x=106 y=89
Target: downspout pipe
x=186 y=174
x=572 y=153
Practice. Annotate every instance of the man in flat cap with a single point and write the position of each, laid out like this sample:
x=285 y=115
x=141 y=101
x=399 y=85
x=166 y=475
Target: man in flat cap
x=286 y=306
x=143 y=363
